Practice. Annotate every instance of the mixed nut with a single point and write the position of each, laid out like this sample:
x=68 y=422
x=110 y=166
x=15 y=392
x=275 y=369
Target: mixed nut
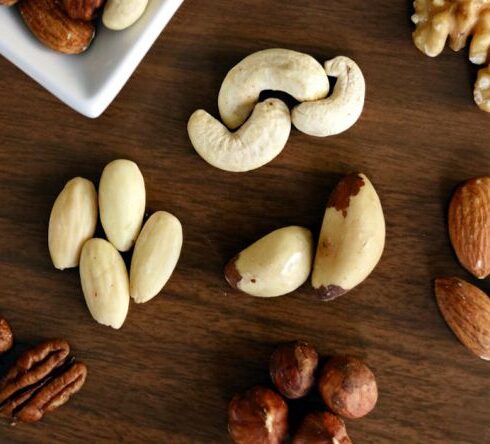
x=105 y=282
x=262 y=129
x=72 y=222
x=42 y=379
x=275 y=265
x=346 y=384
x=466 y=310
x=464 y=306
x=350 y=244
x=469 y=225
x=68 y=26
x=438 y=20
x=352 y=237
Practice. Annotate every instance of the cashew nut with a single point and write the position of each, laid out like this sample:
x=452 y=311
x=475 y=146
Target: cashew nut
x=261 y=138
x=121 y=14
x=341 y=110
x=295 y=73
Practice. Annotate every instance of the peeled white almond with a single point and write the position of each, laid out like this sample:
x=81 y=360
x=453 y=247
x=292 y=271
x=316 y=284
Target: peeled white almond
x=122 y=200
x=121 y=14
x=352 y=237
x=105 y=282
x=155 y=256
x=275 y=265
x=72 y=222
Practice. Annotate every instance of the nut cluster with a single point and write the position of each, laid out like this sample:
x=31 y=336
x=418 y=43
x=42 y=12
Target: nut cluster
x=68 y=26
x=464 y=306
x=41 y=379
x=121 y=200
x=262 y=129
x=438 y=20
x=350 y=245
x=346 y=384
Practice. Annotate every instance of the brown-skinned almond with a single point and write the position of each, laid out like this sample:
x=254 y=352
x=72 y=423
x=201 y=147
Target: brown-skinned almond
x=52 y=26
x=82 y=9
x=466 y=310
x=469 y=225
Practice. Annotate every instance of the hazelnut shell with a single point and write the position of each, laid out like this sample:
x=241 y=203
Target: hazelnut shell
x=322 y=428
x=348 y=387
x=292 y=368
x=258 y=416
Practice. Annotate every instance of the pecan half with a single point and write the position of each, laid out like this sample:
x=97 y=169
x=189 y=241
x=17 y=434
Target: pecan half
x=6 y=336
x=56 y=392
x=43 y=379
x=82 y=9
x=33 y=366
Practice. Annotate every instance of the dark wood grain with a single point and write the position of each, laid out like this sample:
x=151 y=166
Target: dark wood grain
x=168 y=375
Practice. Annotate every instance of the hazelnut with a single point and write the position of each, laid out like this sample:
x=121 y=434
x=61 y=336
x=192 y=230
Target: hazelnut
x=258 y=416
x=292 y=368
x=6 y=336
x=322 y=428
x=348 y=387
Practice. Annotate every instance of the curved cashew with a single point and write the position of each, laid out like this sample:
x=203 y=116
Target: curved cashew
x=295 y=73
x=341 y=110
x=261 y=138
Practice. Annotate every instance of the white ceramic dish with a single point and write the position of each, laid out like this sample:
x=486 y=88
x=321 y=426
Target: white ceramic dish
x=88 y=82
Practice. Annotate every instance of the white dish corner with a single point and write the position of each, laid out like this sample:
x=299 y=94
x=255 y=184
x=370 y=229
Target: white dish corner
x=88 y=82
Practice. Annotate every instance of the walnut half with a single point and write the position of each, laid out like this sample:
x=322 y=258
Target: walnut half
x=437 y=21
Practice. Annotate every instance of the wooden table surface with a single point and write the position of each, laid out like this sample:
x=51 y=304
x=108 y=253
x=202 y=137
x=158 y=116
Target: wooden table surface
x=168 y=374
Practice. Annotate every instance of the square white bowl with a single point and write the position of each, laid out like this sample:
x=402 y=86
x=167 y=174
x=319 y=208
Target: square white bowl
x=87 y=82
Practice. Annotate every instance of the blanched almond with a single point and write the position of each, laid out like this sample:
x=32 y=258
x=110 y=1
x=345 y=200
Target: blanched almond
x=122 y=200
x=105 y=282
x=72 y=222
x=155 y=256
